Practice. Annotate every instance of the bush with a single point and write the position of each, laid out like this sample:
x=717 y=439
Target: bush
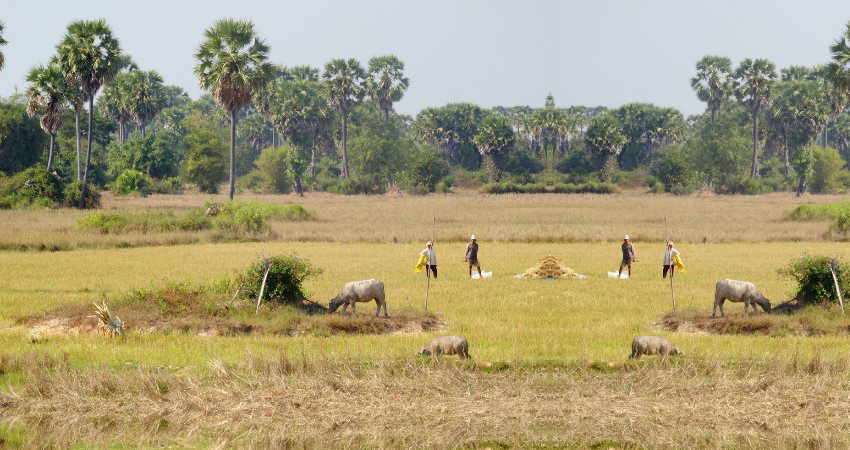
x=424 y=173
x=252 y=217
x=170 y=185
x=132 y=182
x=562 y=188
x=205 y=164
x=743 y=184
x=815 y=285
x=273 y=170
x=32 y=187
x=355 y=185
x=819 y=212
x=632 y=179
x=284 y=283
x=675 y=174
x=73 y=192
x=468 y=179
x=829 y=171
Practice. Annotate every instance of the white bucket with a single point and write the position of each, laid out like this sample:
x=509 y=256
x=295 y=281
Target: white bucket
x=475 y=275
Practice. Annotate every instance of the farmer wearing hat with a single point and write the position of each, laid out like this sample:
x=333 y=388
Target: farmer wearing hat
x=628 y=256
x=672 y=260
x=471 y=255
x=429 y=258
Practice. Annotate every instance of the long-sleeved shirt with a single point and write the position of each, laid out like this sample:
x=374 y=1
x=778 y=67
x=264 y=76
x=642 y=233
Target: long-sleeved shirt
x=430 y=255
x=668 y=256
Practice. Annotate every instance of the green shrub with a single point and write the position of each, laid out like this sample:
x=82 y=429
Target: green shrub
x=424 y=173
x=828 y=171
x=132 y=182
x=170 y=185
x=468 y=179
x=32 y=187
x=676 y=174
x=743 y=184
x=73 y=191
x=819 y=212
x=357 y=185
x=443 y=187
x=284 y=283
x=253 y=217
x=205 y=164
x=842 y=222
x=273 y=169
x=562 y=188
x=251 y=181
x=814 y=279
x=115 y=223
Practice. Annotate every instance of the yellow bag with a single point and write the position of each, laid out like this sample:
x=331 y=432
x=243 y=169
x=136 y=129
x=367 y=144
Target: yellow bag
x=678 y=262
x=421 y=263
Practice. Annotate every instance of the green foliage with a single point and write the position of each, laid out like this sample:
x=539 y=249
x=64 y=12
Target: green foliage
x=605 y=139
x=379 y=145
x=819 y=212
x=578 y=162
x=284 y=283
x=720 y=148
x=591 y=187
x=647 y=129
x=742 y=184
x=355 y=185
x=73 y=193
x=155 y=155
x=273 y=170
x=239 y=217
x=452 y=128
x=827 y=171
x=33 y=187
x=21 y=139
x=815 y=285
x=676 y=174
x=252 y=217
x=468 y=179
x=424 y=172
x=205 y=160
x=494 y=140
x=132 y=182
x=713 y=82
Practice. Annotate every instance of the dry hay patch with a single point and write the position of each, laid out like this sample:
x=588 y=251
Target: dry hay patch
x=182 y=309
x=550 y=267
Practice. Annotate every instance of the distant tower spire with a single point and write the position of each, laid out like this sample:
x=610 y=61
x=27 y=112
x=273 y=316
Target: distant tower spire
x=550 y=101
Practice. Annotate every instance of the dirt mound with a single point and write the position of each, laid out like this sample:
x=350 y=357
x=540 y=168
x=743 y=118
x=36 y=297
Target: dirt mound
x=190 y=310
x=550 y=267
x=818 y=323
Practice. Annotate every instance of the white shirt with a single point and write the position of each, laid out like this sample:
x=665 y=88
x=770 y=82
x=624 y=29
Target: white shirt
x=668 y=256
x=430 y=255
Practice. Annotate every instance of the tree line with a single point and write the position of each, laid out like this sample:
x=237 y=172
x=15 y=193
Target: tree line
x=275 y=128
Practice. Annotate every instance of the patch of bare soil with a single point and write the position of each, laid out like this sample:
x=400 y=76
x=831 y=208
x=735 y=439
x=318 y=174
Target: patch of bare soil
x=786 y=320
x=178 y=309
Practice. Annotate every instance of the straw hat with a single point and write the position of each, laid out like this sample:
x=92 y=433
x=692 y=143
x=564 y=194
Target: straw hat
x=472 y=237
x=626 y=237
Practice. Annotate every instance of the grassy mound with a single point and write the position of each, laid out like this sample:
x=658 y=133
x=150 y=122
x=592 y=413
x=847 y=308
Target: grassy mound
x=200 y=310
x=235 y=217
x=808 y=212
x=559 y=188
x=805 y=321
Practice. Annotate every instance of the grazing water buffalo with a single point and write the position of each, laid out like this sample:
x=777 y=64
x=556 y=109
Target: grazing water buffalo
x=447 y=345
x=360 y=291
x=652 y=345
x=739 y=291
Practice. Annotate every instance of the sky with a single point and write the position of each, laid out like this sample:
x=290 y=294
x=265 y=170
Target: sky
x=595 y=52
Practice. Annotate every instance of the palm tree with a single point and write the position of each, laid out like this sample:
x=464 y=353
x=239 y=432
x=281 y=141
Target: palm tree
x=89 y=56
x=754 y=80
x=387 y=83
x=345 y=88
x=495 y=137
x=713 y=83
x=47 y=92
x=605 y=137
x=2 y=43
x=232 y=64
x=113 y=103
x=838 y=70
x=145 y=96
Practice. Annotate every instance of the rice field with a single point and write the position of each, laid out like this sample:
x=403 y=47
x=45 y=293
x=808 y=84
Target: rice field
x=555 y=343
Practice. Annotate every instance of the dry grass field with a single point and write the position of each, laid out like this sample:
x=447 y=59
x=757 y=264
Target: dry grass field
x=549 y=365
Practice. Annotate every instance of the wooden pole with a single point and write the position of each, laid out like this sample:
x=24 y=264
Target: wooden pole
x=427 y=263
x=263 y=286
x=837 y=287
x=673 y=266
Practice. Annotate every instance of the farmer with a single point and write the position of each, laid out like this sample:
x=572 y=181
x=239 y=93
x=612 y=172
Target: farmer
x=471 y=256
x=672 y=260
x=668 y=260
x=430 y=258
x=628 y=256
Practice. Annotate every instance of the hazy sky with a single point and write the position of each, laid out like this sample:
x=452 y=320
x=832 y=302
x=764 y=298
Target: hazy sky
x=596 y=52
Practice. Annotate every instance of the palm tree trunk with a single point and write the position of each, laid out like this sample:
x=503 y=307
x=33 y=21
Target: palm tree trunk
x=608 y=169
x=121 y=131
x=84 y=189
x=274 y=137
x=298 y=189
x=313 y=153
x=787 y=159
x=387 y=115
x=79 y=149
x=344 y=145
x=490 y=165
x=754 y=172
x=50 y=152
x=143 y=130
x=232 y=154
